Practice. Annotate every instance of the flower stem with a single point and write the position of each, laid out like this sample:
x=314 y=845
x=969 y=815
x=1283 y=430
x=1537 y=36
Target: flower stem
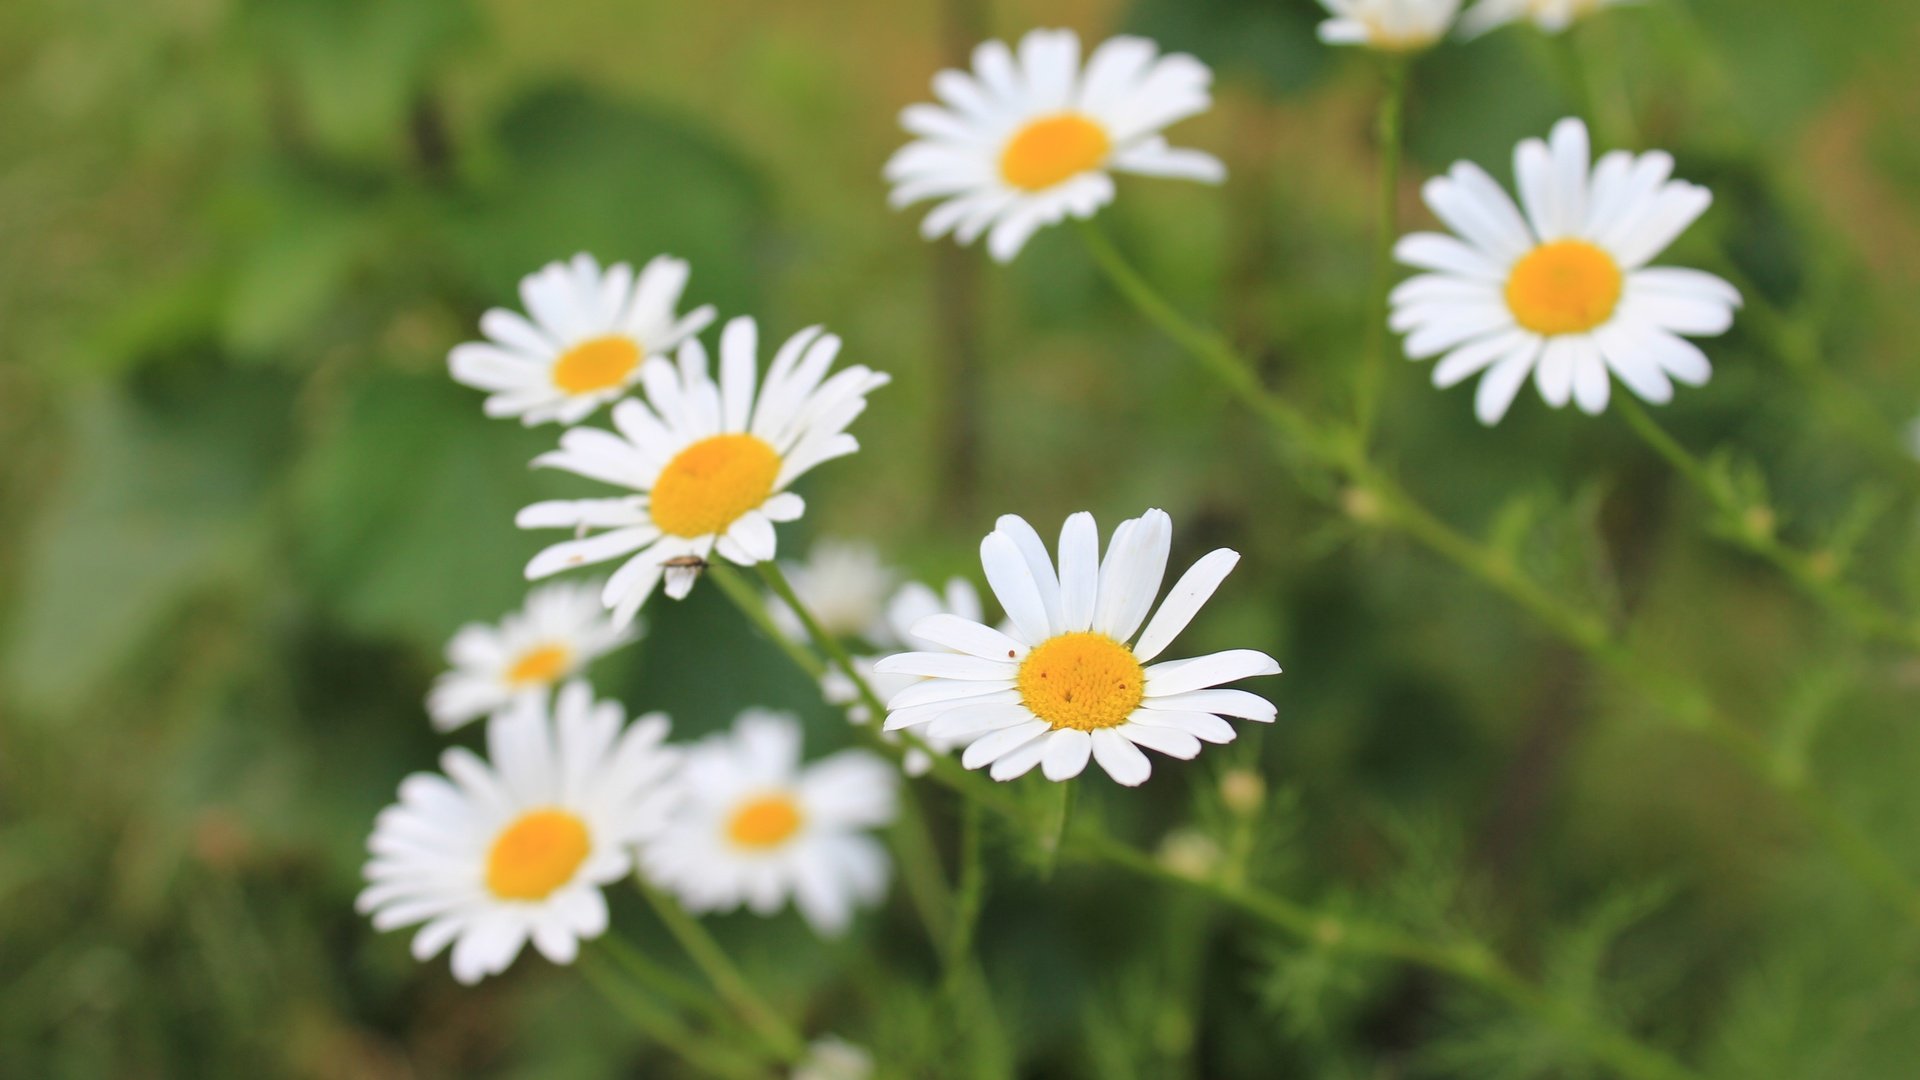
x=727 y=980
x=1388 y=130
x=1470 y=962
x=1753 y=526
x=662 y=1026
x=748 y=600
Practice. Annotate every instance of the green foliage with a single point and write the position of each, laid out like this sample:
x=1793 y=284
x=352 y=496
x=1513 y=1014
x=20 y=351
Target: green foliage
x=242 y=508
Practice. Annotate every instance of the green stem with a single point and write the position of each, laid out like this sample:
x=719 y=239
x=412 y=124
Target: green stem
x=1374 y=364
x=686 y=995
x=1752 y=526
x=711 y=959
x=748 y=600
x=663 y=1027
x=1470 y=962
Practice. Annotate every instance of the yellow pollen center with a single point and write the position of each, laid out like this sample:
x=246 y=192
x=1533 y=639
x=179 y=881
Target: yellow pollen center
x=536 y=854
x=600 y=364
x=539 y=666
x=707 y=486
x=1052 y=149
x=1566 y=287
x=1082 y=680
x=765 y=822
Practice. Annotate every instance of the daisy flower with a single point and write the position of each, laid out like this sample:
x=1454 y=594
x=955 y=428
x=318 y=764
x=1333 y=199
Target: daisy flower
x=1023 y=141
x=757 y=828
x=1069 y=679
x=561 y=629
x=1563 y=293
x=710 y=463
x=1551 y=16
x=844 y=584
x=1388 y=25
x=909 y=605
x=591 y=332
x=490 y=856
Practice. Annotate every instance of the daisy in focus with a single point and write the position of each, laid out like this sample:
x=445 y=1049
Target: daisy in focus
x=1023 y=141
x=709 y=463
x=844 y=584
x=491 y=856
x=1388 y=25
x=1551 y=16
x=1563 y=292
x=591 y=332
x=561 y=629
x=1069 y=680
x=758 y=828
x=909 y=605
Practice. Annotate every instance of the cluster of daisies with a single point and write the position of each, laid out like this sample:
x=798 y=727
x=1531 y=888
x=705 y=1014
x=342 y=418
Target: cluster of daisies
x=699 y=458
x=518 y=846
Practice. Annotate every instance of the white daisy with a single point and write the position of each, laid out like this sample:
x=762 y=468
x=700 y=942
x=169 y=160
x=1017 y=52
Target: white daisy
x=1388 y=25
x=1063 y=683
x=1565 y=292
x=1551 y=16
x=909 y=605
x=758 y=828
x=711 y=463
x=561 y=629
x=1022 y=142
x=844 y=584
x=591 y=333
x=491 y=856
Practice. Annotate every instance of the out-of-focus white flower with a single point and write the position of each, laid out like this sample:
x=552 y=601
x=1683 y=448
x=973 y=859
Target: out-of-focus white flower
x=491 y=856
x=832 y=1058
x=758 y=828
x=590 y=334
x=1388 y=25
x=561 y=629
x=909 y=605
x=844 y=584
x=1552 y=16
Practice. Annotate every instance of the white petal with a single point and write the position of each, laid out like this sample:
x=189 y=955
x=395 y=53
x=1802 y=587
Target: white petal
x=1184 y=601
x=1122 y=760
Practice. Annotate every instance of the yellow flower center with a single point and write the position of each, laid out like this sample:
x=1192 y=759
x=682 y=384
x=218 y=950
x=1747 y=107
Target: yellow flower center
x=1566 y=287
x=536 y=854
x=539 y=666
x=1082 y=680
x=707 y=486
x=1052 y=149
x=600 y=364
x=765 y=822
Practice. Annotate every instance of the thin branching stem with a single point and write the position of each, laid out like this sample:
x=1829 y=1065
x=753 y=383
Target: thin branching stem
x=1753 y=526
x=707 y=955
x=664 y=1027
x=1376 y=499
x=1469 y=961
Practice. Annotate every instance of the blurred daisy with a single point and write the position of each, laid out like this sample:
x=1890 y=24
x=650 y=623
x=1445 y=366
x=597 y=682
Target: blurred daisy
x=1563 y=293
x=1551 y=16
x=1024 y=141
x=1063 y=684
x=492 y=856
x=591 y=332
x=711 y=463
x=758 y=828
x=1388 y=25
x=844 y=584
x=909 y=605
x=833 y=1058
x=561 y=629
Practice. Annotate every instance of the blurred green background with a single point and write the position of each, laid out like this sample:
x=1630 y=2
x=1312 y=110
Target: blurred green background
x=242 y=507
